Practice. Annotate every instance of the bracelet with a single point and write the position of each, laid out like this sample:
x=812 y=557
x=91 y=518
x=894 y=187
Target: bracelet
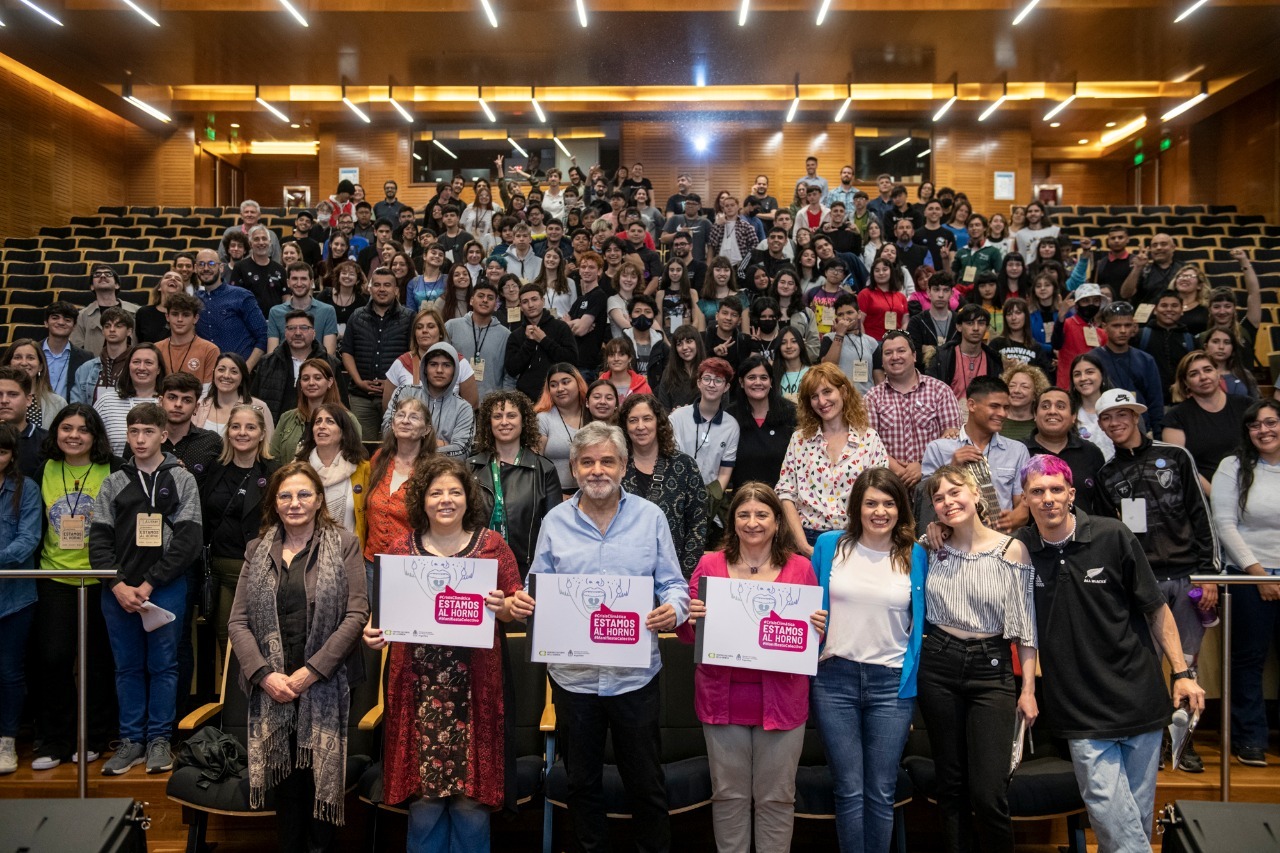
x=837 y=337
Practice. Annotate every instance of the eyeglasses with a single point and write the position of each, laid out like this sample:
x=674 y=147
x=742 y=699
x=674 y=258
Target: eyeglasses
x=711 y=381
x=207 y=265
x=104 y=274
x=1258 y=426
x=1119 y=309
x=298 y=328
x=287 y=497
x=409 y=417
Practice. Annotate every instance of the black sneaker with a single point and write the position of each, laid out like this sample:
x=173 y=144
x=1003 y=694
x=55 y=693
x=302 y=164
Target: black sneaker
x=1253 y=756
x=1191 y=761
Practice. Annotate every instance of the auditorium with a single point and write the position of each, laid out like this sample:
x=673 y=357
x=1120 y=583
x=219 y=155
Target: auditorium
x=606 y=425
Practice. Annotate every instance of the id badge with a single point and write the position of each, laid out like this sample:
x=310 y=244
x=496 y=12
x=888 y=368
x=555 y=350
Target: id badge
x=970 y=275
x=1133 y=512
x=1091 y=336
x=513 y=315
x=1143 y=314
x=71 y=533
x=823 y=321
x=149 y=530
x=861 y=371
x=478 y=366
x=890 y=321
x=1048 y=331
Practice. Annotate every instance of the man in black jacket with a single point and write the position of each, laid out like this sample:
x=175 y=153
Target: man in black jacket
x=537 y=343
x=276 y=380
x=962 y=360
x=376 y=336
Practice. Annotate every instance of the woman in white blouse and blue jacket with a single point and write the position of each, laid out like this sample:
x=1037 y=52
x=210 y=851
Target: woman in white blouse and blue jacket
x=872 y=575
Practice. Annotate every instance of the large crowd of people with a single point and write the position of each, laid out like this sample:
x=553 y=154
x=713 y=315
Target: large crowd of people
x=985 y=438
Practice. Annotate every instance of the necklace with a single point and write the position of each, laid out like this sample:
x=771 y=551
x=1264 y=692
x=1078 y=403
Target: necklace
x=76 y=478
x=1061 y=542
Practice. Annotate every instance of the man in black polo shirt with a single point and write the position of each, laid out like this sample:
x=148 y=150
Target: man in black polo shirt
x=1100 y=616
x=1055 y=434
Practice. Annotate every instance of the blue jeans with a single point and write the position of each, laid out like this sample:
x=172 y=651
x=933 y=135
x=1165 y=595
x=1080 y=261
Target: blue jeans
x=1255 y=627
x=14 y=630
x=1117 y=779
x=864 y=728
x=146 y=663
x=453 y=825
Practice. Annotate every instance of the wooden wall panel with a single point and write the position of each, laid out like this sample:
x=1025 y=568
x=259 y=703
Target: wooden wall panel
x=59 y=153
x=1083 y=181
x=161 y=170
x=1235 y=156
x=379 y=154
x=967 y=158
x=266 y=176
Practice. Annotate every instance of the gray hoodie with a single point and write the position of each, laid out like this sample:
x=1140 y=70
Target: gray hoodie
x=451 y=416
x=493 y=349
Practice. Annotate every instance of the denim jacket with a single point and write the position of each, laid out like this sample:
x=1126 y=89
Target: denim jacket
x=19 y=534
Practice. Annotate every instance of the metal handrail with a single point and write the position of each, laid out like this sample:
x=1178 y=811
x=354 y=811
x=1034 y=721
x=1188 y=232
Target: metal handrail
x=82 y=664
x=1227 y=581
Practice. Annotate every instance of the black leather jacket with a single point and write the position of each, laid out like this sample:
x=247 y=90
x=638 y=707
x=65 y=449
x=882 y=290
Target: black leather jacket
x=530 y=489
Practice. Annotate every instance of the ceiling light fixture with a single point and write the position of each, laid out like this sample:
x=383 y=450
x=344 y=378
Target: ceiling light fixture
x=1187 y=104
x=488 y=13
x=352 y=105
x=235 y=124
x=537 y=108
x=582 y=13
x=995 y=105
x=440 y=145
x=895 y=146
x=955 y=96
x=1057 y=124
x=1049 y=116
x=845 y=106
x=135 y=7
x=1083 y=141
x=417 y=156
x=257 y=96
x=822 y=12
x=742 y=13
x=1111 y=124
x=1026 y=10
x=1113 y=136
x=126 y=92
x=925 y=153
x=391 y=97
x=488 y=112
x=37 y=9
x=1189 y=10
x=560 y=145
x=516 y=145
x=297 y=16
x=795 y=104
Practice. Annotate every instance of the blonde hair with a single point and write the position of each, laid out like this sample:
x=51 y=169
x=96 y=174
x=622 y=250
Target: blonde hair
x=1039 y=381
x=228 y=452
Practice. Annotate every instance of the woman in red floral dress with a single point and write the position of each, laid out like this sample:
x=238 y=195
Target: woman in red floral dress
x=445 y=749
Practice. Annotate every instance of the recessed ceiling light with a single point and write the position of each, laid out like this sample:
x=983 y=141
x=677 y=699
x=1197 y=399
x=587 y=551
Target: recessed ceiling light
x=1083 y=141
x=1111 y=124
x=295 y=125
x=234 y=124
x=1055 y=124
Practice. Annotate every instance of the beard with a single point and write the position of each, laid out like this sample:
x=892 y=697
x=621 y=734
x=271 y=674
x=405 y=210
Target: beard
x=600 y=490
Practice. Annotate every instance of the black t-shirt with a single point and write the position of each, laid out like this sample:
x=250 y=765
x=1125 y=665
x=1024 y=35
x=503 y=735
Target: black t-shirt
x=311 y=252
x=1084 y=458
x=935 y=238
x=768 y=204
x=845 y=239
x=891 y=220
x=675 y=204
x=265 y=282
x=1211 y=436
x=596 y=304
x=1154 y=281
x=629 y=186
x=1102 y=676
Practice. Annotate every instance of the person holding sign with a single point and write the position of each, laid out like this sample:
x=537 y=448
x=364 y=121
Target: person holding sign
x=605 y=528
x=410 y=442
x=873 y=577
x=146 y=527
x=79 y=462
x=753 y=721
x=978 y=597
x=445 y=748
x=299 y=607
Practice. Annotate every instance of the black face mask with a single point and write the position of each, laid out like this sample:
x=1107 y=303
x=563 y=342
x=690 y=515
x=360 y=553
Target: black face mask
x=1088 y=312
x=767 y=326
x=642 y=323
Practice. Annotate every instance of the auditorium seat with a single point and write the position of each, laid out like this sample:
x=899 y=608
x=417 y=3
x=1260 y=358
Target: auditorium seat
x=1186 y=209
x=200 y=797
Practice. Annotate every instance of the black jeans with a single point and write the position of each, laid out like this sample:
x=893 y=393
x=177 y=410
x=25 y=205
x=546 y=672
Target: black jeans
x=53 y=655
x=969 y=700
x=583 y=720
x=296 y=829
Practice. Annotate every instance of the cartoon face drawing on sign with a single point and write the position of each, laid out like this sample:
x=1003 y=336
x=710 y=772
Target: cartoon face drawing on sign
x=433 y=575
x=759 y=599
x=590 y=593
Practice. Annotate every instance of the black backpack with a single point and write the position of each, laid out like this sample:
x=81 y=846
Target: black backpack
x=215 y=753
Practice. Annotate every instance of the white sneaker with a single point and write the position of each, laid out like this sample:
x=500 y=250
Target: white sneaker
x=8 y=756
x=48 y=762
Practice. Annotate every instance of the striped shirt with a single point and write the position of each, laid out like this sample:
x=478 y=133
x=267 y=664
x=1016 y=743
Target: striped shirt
x=114 y=409
x=981 y=593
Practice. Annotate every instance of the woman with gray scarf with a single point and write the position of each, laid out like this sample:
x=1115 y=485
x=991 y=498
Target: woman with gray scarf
x=300 y=606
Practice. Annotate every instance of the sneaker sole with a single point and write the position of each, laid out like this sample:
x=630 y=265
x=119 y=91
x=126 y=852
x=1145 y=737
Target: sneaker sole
x=1251 y=762
x=165 y=769
x=123 y=770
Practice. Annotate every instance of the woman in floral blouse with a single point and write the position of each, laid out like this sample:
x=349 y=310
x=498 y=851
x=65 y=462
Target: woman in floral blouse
x=832 y=445
x=445 y=748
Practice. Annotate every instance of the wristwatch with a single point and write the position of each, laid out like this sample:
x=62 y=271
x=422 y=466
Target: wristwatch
x=1186 y=673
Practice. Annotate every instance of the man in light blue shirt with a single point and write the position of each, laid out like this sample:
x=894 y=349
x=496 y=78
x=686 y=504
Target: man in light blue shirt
x=606 y=530
x=62 y=358
x=324 y=316
x=980 y=442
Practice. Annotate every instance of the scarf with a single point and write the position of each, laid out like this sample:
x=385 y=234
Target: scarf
x=336 y=479
x=319 y=718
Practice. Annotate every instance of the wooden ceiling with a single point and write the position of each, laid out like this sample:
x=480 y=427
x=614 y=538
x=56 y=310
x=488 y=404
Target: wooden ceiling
x=647 y=57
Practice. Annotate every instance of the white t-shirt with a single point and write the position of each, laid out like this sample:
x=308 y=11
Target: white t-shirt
x=560 y=303
x=870 y=619
x=399 y=375
x=729 y=244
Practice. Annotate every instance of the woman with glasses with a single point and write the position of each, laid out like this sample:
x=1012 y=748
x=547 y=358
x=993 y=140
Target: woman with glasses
x=833 y=444
x=1246 y=511
x=704 y=431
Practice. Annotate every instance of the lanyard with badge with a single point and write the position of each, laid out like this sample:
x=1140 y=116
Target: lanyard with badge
x=71 y=528
x=498 y=518
x=861 y=371
x=150 y=525
x=478 y=339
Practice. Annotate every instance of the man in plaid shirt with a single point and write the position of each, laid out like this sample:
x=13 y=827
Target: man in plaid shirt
x=908 y=410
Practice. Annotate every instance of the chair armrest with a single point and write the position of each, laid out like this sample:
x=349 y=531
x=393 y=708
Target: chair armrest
x=548 y=721
x=200 y=716
x=373 y=719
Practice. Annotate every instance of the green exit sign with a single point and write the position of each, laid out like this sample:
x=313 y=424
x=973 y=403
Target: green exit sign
x=1166 y=143
x=1137 y=144
x=1138 y=159
x=210 y=133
